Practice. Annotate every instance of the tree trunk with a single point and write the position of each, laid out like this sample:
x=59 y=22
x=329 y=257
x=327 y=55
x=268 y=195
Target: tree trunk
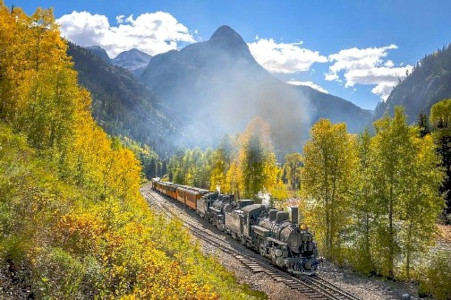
x=367 y=235
x=391 y=233
x=408 y=248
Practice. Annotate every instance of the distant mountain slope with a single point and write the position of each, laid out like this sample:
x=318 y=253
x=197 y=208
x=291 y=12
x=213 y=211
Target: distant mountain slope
x=337 y=109
x=218 y=85
x=429 y=83
x=122 y=105
x=100 y=52
x=133 y=60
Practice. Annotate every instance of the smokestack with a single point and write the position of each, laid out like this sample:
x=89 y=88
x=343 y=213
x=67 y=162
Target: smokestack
x=294 y=214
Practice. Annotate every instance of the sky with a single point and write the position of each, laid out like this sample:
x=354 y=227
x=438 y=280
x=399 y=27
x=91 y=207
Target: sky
x=356 y=50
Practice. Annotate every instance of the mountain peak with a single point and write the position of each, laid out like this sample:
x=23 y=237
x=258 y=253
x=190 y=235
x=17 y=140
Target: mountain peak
x=133 y=60
x=226 y=32
x=100 y=52
x=229 y=40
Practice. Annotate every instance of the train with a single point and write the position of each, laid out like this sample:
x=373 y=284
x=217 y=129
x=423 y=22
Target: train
x=272 y=233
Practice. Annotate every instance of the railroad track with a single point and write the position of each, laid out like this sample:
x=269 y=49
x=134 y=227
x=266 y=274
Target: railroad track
x=314 y=287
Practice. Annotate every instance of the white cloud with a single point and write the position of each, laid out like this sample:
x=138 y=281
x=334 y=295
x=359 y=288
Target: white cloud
x=310 y=84
x=152 y=33
x=331 y=77
x=119 y=19
x=283 y=57
x=367 y=66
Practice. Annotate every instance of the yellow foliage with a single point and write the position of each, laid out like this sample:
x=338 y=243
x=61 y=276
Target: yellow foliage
x=70 y=207
x=110 y=247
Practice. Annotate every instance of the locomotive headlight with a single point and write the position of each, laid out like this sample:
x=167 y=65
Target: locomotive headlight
x=278 y=252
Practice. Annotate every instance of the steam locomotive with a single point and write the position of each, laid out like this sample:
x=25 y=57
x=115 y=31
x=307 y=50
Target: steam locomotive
x=267 y=231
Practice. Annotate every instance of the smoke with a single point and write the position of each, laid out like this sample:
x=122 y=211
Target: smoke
x=266 y=199
x=216 y=88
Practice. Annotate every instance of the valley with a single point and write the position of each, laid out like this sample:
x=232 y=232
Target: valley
x=225 y=150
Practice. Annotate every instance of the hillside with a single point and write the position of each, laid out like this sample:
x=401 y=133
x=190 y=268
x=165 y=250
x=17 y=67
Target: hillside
x=337 y=109
x=428 y=83
x=100 y=52
x=122 y=105
x=216 y=86
x=73 y=224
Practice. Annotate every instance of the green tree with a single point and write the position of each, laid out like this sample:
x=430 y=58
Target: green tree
x=329 y=164
x=252 y=165
x=423 y=124
x=72 y=218
x=422 y=202
x=441 y=122
x=392 y=159
x=292 y=170
x=205 y=169
x=405 y=179
x=363 y=206
x=176 y=171
x=256 y=160
x=221 y=161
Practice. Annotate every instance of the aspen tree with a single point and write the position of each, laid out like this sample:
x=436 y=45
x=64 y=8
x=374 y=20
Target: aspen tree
x=405 y=180
x=329 y=166
x=363 y=206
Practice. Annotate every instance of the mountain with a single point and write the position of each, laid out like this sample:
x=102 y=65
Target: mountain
x=216 y=86
x=122 y=105
x=429 y=82
x=337 y=109
x=133 y=60
x=100 y=52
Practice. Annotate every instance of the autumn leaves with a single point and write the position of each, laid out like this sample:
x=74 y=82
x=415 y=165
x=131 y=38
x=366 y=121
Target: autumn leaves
x=71 y=214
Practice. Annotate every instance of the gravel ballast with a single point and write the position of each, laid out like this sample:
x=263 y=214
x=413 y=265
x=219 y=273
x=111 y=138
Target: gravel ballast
x=365 y=288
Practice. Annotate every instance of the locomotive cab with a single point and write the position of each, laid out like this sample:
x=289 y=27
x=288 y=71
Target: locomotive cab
x=204 y=203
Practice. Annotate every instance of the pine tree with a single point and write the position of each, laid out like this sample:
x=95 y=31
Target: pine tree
x=256 y=160
x=423 y=124
x=252 y=164
x=292 y=170
x=441 y=121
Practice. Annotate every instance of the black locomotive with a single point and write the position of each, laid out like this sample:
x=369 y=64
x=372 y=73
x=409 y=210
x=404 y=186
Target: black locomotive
x=268 y=231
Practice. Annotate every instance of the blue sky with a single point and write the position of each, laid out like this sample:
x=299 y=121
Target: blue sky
x=353 y=49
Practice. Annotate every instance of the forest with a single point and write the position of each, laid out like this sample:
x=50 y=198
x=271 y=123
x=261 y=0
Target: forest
x=73 y=224
x=373 y=200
